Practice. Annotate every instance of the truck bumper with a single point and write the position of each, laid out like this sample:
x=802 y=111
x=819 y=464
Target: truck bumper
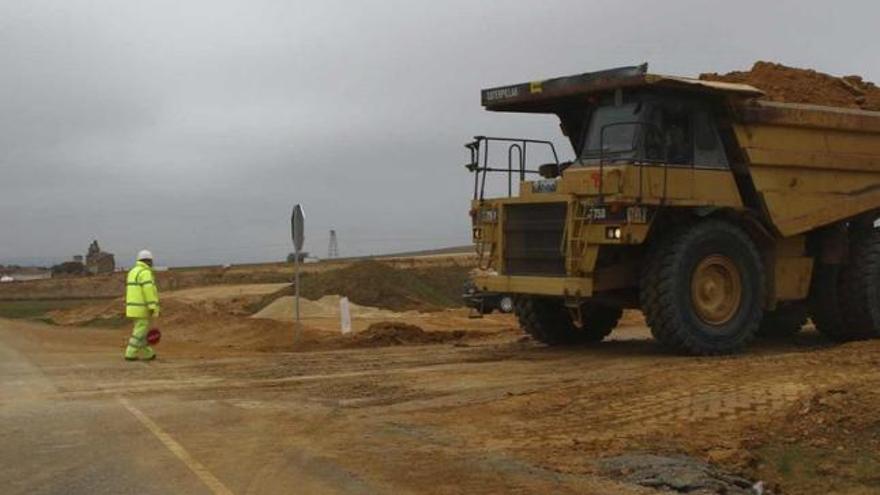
x=548 y=286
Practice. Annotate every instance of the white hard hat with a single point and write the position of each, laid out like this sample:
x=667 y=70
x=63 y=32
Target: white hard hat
x=145 y=255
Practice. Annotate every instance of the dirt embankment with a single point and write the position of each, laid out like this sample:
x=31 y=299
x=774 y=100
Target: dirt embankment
x=381 y=285
x=260 y=316
x=215 y=326
x=794 y=85
x=112 y=285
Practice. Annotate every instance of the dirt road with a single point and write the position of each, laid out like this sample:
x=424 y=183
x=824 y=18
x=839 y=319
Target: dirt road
x=495 y=415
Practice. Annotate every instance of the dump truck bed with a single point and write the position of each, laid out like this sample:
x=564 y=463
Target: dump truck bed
x=812 y=165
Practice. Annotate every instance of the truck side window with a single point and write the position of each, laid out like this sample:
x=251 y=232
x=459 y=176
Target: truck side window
x=678 y=134
x=708 y=152
x=671 y=141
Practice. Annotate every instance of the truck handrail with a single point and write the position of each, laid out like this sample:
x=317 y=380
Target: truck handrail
x=479 y=164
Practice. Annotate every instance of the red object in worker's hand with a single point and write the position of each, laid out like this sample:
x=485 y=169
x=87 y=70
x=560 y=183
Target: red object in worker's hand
x=154 y=336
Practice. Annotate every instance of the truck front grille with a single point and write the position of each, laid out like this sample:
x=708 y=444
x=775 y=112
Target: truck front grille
x=533 y=239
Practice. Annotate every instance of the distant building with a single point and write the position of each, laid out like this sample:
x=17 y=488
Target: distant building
x=98 y=261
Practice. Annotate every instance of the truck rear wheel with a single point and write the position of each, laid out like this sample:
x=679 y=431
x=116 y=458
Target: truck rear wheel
x=548 y=321
x=860 y=285
x=825 y=300
x=703 y=288
x=784 y=321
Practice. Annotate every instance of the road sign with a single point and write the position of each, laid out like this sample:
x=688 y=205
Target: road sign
x=297 y=227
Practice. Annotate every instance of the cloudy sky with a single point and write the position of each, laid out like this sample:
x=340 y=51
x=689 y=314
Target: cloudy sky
x=192 y=127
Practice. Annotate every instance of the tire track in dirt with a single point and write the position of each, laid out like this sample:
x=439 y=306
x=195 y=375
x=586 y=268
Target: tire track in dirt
x=727 y=402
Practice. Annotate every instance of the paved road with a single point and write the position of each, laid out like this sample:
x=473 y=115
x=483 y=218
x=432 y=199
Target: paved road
x=52 y=445
x=76 y=419
x=67 y=427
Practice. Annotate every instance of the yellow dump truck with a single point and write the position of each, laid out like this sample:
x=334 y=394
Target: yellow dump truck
x=720 y=215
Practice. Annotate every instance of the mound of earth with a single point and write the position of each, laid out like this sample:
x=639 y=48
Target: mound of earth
x=794 y=85
x=380 y=285
x=387 y=333
x=89 y=314
x=239 y=300
x=282 y=309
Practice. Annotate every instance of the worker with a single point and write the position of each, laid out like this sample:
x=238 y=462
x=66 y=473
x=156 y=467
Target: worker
x=141 y=305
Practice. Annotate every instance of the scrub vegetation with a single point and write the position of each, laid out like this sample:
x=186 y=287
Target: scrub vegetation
x=37 y=309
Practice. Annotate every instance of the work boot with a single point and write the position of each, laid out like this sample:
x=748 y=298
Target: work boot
x=131 y=353
x=148 y=354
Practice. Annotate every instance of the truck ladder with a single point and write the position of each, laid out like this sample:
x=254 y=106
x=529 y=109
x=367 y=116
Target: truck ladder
x=575 y=241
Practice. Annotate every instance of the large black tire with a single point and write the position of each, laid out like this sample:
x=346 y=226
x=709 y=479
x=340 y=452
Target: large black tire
x=667 y=289
x=548 y=321
x=598 y=322
x=825 y=302
x=783 y=322
x=860 y=285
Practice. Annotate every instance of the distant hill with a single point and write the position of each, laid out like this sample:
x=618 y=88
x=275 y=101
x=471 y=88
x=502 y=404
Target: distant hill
x=469 y=249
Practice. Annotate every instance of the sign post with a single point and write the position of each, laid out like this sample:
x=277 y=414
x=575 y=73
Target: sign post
x=297 y=227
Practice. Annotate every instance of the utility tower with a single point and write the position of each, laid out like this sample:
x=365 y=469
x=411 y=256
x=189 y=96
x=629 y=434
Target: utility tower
x=333 y=250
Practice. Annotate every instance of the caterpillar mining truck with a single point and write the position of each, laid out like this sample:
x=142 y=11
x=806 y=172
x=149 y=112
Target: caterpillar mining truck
x=718 y=214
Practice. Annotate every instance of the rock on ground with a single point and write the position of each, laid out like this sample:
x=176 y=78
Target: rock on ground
x=676 y=473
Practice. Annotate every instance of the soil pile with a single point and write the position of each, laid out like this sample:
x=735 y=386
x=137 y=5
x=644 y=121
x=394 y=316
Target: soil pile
x=282 y=309
x=103 y=313
x=381 y=285
x=794 y=85
x=387 y=333
x=239 y=300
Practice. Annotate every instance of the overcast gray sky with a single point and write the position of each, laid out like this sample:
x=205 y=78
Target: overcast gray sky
x=191 y=127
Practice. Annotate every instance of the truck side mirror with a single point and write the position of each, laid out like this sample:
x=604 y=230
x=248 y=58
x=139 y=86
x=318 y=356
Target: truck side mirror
x=549 y=170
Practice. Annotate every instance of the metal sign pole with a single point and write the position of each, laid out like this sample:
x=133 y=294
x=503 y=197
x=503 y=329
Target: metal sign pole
x=296 y=283
x=297 y=227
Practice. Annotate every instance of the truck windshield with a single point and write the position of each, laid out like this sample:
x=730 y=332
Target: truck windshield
x=616 y=139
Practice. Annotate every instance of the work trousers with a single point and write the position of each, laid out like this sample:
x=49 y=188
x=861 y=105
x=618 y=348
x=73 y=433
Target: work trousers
x=137 y=343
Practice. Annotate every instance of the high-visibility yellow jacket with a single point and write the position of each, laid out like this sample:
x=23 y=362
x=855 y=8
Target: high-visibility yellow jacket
x=141 y=293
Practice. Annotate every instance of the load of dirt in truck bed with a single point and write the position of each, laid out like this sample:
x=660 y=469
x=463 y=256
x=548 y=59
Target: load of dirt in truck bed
x=380 y=285
x=794 y=85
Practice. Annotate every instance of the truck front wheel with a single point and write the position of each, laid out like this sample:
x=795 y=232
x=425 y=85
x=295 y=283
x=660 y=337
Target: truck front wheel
x=548 y=321
x=702 y=289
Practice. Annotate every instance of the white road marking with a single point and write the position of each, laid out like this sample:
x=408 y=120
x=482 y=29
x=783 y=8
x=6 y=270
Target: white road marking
x=195 y=466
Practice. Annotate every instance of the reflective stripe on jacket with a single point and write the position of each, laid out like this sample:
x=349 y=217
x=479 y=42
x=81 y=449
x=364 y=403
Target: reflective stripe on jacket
x=141 y=293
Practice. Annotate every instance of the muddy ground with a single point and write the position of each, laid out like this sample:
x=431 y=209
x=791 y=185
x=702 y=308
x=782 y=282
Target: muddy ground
x=417 y=403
